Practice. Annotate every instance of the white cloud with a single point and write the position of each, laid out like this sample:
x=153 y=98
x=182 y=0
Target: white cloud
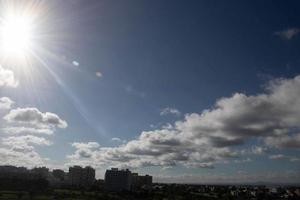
x=27 y=130
x=5 y=103
x=98 y=74
x=168 y=111
x=7 y=78
x=243 y=160
x=131 y=90
x=17 y=144
x=288 y=33
x=202 y=140
x=35 y=117
x=259 y=150
x=294 y=159
x=18 y=141
x=83 y=151
x=115 y=139
x=284 y=141
x=19 y=158
x=75 y=63
x=277 y=157
x=284 y=157
x=20 y=151
x=89 y=145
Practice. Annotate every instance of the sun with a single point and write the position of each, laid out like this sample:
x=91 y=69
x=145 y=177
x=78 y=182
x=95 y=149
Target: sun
x=16 y=32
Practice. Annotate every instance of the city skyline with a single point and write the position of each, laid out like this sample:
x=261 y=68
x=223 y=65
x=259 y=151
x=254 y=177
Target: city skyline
x=197 y=92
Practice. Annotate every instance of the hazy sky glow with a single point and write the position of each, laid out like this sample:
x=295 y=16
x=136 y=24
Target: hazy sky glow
x=198 y=92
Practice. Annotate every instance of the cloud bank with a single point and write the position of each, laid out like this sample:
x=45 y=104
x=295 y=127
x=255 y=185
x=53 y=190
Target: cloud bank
x=207 y=138
x=19 y=130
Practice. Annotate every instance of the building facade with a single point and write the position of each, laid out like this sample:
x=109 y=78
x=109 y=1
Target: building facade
x=141 y=182
x=124 y=180
x=81 y=177
x=118 y=180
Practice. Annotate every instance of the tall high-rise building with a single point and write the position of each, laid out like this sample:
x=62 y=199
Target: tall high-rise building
x=124 y=180
x=59 y=174
x=41 y=172
x=118 y=180
x=81 y=177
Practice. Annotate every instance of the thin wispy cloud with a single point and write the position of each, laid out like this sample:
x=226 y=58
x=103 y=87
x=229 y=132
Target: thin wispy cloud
x=284 y=157
x=277 y=157
x=288 y=34
x=170 y=111
x=131 y=90
x=115 y=139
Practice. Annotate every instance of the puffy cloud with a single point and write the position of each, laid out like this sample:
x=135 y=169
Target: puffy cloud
x=89 y=145
x=241 y=117
x=168 y=111
x=19 y=158
x=84 y=150
x=35 y=117
x=158 y=148
x=5 y=103
x=20 y=151
x=201 y=140
x=288 y=33
x=7 y=78
x=17 y=144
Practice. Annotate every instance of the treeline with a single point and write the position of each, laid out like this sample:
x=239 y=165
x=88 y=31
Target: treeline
x=21 y=184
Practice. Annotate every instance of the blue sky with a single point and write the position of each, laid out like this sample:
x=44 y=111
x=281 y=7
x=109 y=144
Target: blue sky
x=146 y=73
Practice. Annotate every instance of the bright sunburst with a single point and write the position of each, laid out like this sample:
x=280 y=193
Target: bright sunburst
x=18 y=31
x=16 y=35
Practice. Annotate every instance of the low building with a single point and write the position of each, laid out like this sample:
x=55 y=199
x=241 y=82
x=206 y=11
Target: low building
x=8 y=171
x=141 y=182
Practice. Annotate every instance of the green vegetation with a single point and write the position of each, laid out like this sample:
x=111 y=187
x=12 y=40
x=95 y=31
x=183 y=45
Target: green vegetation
x=160 y=192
